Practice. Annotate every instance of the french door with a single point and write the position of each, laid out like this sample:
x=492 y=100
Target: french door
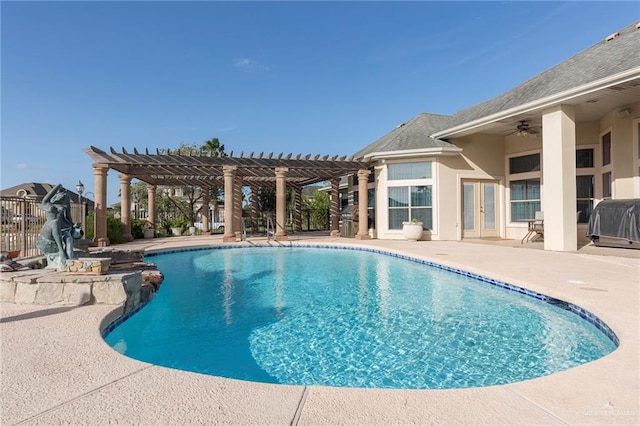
x=479 y=209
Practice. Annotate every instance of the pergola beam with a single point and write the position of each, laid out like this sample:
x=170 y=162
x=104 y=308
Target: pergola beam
x=203 y=169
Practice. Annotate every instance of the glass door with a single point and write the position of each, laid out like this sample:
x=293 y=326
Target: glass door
x=479 y=212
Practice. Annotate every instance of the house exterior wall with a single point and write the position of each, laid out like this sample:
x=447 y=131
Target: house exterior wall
x=382 y=185
x=482 y=158
x=486 y=158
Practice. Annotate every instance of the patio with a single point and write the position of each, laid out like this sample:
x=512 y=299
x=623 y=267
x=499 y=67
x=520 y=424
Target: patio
x=57 y=369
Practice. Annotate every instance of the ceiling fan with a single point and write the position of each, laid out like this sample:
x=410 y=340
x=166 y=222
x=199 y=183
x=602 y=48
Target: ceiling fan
x=525 y=130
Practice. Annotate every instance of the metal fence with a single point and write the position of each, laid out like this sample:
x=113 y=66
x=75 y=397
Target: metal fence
x=316 y=219
x=22 y=221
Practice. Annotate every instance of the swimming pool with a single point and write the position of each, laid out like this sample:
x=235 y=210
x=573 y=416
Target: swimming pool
x=353 y=318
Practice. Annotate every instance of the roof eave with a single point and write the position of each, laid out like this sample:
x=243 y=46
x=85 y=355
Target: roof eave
x=412 y=153
x=542 y=103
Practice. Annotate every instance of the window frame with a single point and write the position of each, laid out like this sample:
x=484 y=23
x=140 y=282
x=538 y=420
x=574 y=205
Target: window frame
x=408 y=184
x=525 y=176
x=605 y=169
x=588 y=171
x=636 y=156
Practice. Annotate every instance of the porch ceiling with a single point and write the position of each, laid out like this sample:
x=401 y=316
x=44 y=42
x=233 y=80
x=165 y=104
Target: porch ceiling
x=201 y=169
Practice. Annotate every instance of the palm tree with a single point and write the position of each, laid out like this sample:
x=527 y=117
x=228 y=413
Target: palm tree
x=214 y=147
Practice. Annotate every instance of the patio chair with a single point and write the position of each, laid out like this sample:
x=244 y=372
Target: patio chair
x=535 y=228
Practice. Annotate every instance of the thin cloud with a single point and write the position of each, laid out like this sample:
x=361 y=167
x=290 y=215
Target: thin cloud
x=250 y=65
x=21 y=166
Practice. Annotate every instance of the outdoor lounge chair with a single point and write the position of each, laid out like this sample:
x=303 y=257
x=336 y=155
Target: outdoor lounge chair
x=535 y=228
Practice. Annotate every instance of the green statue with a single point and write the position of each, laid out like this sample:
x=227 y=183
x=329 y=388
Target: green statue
x=59 y=231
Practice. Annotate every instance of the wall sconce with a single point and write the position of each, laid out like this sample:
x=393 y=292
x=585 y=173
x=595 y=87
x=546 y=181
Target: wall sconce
x=624 y=113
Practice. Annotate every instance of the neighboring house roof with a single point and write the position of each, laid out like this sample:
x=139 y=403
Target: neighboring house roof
x=606 y=58
x=28 y=189
x=413 y=135
x=38 y=190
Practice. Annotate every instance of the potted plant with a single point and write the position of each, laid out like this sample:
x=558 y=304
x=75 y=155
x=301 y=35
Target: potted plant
x=149 y=231
x=178 y=225
x=412 y=230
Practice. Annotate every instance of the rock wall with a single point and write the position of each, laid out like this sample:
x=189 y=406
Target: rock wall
x=46 y=287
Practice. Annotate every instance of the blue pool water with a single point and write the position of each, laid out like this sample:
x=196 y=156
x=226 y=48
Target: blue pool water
x=312 y=316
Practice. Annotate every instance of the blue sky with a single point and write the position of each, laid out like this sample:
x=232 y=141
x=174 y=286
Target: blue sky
x=299 y=77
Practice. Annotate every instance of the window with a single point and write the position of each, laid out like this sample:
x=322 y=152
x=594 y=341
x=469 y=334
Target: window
x=606 y=185
x=525 y=199
x=344 y=200
x=405 y=171
x=524 y=186
x=410 y=202
x=524 y=164
x=606 y=148
x=585 y=196
x=636 y=162
x=584 y=158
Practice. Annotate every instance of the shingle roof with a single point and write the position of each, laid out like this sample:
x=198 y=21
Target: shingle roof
x=33 y=189
x=38 y=190
x=599 y=61
x=606 y=58
x=412 y=135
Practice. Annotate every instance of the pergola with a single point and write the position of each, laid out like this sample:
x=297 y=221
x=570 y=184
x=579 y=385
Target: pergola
x=202 y=169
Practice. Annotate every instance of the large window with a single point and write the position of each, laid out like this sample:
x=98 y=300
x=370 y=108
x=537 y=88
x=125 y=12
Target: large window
x=585 y=183
x=410 y=202
x=606 y=185
x=584 y=158
x=524 y=164
x=525 y=199
x=405 y=171
x=607 y=166
x=606 y=148
x=585 y=195
x=524 y=184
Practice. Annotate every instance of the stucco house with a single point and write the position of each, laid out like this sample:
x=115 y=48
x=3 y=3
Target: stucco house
x=558 y=143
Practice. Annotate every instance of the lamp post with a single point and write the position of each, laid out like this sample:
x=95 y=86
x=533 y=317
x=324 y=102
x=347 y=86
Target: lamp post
x=80 y=189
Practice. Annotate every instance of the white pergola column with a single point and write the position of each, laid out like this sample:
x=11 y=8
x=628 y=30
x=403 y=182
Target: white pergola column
x=151 y=202
x=100 y=206
x=229 y=176
x=559 y=178
x=281 y=203
x=334 y=207
x=363 y=205
x=125 y=206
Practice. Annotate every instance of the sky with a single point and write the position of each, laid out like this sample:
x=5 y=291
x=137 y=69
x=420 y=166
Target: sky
x=292 y=77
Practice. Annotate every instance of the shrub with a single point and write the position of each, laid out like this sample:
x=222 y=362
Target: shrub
x=137 y=228
x=114 y=230
x=89 y=232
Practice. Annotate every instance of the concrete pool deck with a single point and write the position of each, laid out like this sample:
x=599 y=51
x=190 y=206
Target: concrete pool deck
x=56 y=369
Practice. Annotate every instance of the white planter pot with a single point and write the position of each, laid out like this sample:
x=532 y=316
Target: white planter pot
x=176 y=231
x=149 y=233
x=192 y=230
x=412 y=231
